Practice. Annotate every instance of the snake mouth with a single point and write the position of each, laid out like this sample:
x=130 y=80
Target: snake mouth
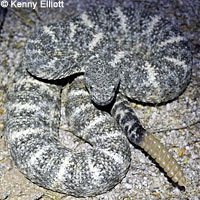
x=102 y=101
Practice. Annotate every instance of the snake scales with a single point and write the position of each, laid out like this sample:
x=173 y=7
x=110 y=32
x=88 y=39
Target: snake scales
x=136 y=54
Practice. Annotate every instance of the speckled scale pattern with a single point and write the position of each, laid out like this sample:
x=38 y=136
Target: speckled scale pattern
x=137 y=52
x=160 y=63
x=150 y=57
x=68 y=45
x=31 y=130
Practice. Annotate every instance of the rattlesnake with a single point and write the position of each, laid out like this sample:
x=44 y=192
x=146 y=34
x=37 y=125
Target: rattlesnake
x=138 y=54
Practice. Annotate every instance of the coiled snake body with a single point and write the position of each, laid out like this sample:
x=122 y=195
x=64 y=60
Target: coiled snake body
x=122 y=52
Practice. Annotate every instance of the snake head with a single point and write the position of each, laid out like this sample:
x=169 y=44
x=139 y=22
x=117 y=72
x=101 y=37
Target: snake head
x=101 y=80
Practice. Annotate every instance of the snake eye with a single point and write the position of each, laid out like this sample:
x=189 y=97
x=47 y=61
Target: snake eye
x=91 y=87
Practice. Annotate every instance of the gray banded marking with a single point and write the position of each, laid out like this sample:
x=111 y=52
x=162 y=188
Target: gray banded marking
x=117 y=58
x=38 y=155
x=48 y=31
x=28 y=82
x=174 y=39
x=82 y=108
x=95 y=172
x=131 y=124
x=122 y=18
x=116 y=157
x=86 y=20
x=92 y=124
x=126 y=122
x=77 y=93
x=15 y=135
x=60 y=174
x=152 y=75
x=38 y=51
x=34 y=42
x=154 y=21
x=25 y=106
x=96 y=39
x=177 y=62
x=115 y=134
x=72 y=27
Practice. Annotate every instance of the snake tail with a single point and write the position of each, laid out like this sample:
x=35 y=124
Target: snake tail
x=163 y=157
x=128 y=121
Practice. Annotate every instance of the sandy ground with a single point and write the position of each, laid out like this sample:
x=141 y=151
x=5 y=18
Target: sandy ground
x=176 y=124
